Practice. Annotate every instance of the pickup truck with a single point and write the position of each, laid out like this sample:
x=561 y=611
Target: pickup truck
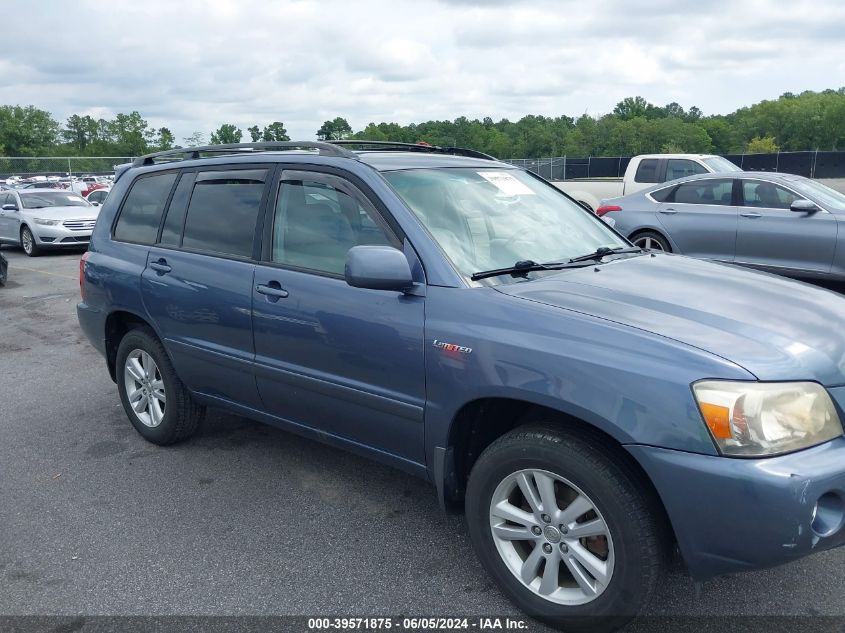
x=643 y=171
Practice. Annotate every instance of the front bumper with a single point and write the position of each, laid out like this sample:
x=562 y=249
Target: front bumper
x=63 y=235
x=733 y=514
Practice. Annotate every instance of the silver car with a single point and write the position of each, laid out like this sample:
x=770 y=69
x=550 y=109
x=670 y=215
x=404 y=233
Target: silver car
x=38 y=219
x=777 y=222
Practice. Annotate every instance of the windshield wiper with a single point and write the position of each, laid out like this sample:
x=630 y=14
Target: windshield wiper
x=522 y=268
x=603 y=251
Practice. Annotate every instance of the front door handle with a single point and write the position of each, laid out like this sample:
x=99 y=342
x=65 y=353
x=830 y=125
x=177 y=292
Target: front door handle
x=272 y=290
x=161 y=266
x=668 y=211
x=751 y=214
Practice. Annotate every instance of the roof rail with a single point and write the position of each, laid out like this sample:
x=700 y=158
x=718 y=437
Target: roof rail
x=191 y=153
x=416 y=147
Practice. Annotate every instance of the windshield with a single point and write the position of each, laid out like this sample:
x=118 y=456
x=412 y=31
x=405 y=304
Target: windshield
x=492 y=218
x=43 y=199
x=820 y=193
x=719 y=164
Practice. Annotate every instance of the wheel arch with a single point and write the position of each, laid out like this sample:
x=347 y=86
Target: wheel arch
x=478 y=423
x=118 y=324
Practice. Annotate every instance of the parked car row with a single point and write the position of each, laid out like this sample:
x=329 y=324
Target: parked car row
x=781 y=223
x=82 y=185
x=590 y=405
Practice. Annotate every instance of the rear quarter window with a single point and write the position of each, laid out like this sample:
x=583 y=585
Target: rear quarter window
x=140 y=215
x=662 y=195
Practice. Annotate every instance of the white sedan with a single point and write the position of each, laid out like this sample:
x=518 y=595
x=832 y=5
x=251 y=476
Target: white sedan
x=38 y=219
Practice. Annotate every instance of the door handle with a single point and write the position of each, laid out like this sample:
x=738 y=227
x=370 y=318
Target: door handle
x=272 y=290
x=161 y=266
x=669 y=211
x=751 y=214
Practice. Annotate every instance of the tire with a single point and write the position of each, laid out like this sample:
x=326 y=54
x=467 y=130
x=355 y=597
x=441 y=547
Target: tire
x=634 y=546
x=168 y=413
x=651 y=240
x=28 y=244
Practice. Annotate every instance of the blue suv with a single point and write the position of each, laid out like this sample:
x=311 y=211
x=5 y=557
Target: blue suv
x=593 y=407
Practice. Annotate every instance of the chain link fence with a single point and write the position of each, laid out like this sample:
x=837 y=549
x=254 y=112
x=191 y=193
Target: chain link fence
x=28 y=166
x=810 y=164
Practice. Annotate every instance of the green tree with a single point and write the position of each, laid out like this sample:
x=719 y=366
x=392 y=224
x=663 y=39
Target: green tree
x=27 y=131
x=80 y=132
x=762 y=145
x=276 y=132
x=164 y=139
x=254 y=133
x=631 y=107
x=334 y=130
x=130 y=134
x=225 y=134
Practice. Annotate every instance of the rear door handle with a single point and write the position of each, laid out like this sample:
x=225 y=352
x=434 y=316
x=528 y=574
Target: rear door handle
x=161 y=266
x=751 y=214
x=669 y=211
x=272 y=290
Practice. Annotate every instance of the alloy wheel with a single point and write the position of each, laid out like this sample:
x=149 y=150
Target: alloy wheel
x=144 y=388
x=552 y=537
x=26 y=241
x=648 y=243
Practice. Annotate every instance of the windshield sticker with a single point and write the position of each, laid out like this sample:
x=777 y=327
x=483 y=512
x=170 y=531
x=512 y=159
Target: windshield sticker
x=506 y=183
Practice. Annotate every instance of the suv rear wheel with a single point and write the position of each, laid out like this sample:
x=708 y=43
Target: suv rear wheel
x=157 y=403
x=567 y=532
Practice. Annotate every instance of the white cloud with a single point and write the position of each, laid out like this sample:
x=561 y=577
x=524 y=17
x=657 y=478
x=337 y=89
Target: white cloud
x=194 y=65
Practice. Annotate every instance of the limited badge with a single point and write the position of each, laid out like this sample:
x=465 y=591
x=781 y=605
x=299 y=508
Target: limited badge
x=452 y=347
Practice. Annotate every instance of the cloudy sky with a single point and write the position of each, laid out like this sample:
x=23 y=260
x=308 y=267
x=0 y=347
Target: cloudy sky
x=192 y=65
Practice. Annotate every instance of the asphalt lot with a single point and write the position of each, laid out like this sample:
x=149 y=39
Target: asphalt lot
x=244 y=519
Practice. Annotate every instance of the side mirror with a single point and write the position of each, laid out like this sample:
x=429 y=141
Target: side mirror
x=378 y=268
x=10 y=207
x=96 y=204
x=803 y=206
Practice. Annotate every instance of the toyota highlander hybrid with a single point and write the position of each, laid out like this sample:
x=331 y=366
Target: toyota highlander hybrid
x=592 y=406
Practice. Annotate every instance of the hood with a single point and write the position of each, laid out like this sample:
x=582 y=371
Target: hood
x=775 y=328
x=63 y=213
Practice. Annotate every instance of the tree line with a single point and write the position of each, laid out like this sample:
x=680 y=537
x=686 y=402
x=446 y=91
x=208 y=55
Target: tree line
x=793 y=122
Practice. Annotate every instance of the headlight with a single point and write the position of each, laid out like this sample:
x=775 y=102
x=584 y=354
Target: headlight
x=759 y=419
x=46 y=221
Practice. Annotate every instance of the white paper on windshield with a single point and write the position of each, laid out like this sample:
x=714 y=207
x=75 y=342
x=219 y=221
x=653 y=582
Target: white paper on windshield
x=506 y=183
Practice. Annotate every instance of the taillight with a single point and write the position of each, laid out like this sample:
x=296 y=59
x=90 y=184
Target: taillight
x=82 y=261
x=607 y=209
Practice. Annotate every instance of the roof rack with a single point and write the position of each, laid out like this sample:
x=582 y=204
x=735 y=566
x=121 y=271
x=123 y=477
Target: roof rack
x=191 y=153
x=416 y=147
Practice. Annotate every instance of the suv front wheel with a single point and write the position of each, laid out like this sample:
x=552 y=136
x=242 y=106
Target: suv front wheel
x=567 y=531
x=157 y=403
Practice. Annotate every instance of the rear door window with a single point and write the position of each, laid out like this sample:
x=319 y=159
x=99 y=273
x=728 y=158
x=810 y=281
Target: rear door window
x=223 y=211
x=646 y=170
x=709 y=191
x=141 y=213
x=682 y=167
